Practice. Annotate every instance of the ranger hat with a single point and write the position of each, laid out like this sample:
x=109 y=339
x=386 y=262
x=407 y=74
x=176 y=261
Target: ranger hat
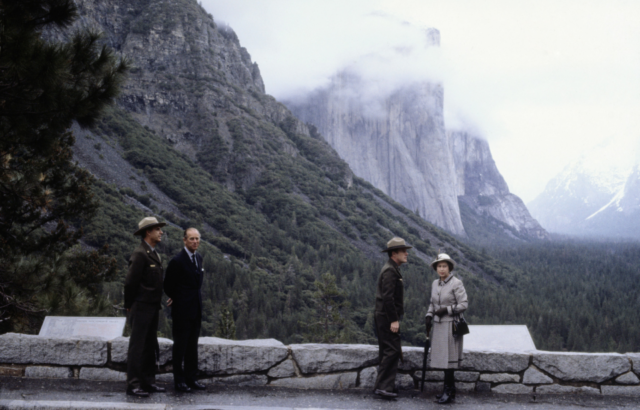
x=396 y=243
x=443 y=257
x=147 y=223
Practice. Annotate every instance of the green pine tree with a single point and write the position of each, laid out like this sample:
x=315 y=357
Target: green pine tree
x=46 y=86
x=329 y=320
x=226 y=326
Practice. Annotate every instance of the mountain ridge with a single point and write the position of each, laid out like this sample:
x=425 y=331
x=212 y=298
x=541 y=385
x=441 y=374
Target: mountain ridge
x=194 y=140
x=595 y=195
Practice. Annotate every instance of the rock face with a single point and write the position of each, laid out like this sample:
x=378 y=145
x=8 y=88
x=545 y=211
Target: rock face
x=191 y=79
x=482 y=188
x=400 y=145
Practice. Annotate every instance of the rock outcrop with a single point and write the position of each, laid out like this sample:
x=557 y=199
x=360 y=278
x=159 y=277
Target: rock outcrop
x=398 y=142
x=482 y=188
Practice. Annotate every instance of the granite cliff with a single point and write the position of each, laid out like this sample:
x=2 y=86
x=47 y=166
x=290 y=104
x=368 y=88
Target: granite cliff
x=482 y=189
x=399 y=143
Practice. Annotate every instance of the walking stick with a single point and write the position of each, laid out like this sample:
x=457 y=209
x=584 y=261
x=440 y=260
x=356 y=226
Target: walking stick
x=427 y=346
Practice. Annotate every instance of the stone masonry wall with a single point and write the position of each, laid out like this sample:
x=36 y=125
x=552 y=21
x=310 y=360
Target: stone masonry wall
x=323 y=366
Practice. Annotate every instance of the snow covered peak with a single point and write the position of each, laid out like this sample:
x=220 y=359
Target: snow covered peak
x=598 y=194
x=606 y=165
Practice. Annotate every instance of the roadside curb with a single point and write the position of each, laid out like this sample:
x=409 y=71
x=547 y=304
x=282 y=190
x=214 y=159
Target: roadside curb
x=66 y=405
x=70 y=405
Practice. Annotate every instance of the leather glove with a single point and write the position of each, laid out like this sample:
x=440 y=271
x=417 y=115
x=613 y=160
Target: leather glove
x=441 y=312
x=428 y=324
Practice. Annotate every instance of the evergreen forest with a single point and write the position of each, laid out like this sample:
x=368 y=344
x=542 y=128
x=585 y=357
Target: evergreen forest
x=291 y=239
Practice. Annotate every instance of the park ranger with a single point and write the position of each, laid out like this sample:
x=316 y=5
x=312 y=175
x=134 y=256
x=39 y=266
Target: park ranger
x=388 y=314
x=142 y=297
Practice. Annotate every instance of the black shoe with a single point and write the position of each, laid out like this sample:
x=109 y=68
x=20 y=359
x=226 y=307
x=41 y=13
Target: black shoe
x=154 y=388
x=452 y=392
x=386 y=394
x=136 y=391
x=182 y=387
x=196 y=386
x=446 y=397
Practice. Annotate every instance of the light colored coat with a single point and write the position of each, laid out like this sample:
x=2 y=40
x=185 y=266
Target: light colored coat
x=446 y=349
x=449 y=294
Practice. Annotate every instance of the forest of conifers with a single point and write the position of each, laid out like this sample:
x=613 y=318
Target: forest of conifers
x=573 y=295
x=291 y=239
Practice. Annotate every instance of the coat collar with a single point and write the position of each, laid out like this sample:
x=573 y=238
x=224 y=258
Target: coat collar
x=394 y=265
x=151 y=252
x=188 y=252
x=444 y=282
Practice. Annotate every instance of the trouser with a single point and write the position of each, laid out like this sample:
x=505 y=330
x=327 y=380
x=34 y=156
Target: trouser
x=389 y=353
x=185 y=349
x=143 y=342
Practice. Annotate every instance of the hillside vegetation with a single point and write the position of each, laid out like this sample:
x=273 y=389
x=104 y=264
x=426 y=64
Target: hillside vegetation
x=290 y=235
x=266 y=247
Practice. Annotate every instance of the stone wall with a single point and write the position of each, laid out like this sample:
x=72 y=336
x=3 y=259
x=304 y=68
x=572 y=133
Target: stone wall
x=320 y=366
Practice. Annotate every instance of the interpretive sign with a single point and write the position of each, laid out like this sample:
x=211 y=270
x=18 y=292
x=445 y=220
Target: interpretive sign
x=68 y=326
x=505 y=338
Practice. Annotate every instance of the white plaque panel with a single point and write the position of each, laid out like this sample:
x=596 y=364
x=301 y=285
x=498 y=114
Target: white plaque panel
x=68 y=326
x=501 y=338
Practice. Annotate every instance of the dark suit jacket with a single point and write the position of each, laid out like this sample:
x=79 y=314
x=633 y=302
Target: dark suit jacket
x=182 y=284
x=144 y=277
x=390 y=292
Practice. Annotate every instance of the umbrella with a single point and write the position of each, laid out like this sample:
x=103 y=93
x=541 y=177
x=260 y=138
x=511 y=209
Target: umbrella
x=427 y=346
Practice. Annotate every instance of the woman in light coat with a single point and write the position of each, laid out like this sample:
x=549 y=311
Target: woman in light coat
x=448 y=301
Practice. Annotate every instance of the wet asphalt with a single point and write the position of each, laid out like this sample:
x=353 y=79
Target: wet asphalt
x=264 y=397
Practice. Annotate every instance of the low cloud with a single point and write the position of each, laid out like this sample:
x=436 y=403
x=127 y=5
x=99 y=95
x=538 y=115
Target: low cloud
x=527 y=75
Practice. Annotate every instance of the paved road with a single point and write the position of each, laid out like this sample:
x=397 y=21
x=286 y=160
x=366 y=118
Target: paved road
x=24 y=393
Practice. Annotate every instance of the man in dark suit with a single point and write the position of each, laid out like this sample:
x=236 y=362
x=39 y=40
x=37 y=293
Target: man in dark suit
x=182 y=284
x=142 y=296
x=388 y=314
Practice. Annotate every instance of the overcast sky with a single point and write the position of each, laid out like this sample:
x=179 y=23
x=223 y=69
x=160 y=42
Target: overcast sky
x=541 y=80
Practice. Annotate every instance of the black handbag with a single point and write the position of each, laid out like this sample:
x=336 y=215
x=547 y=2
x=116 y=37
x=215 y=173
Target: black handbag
x=459 y=325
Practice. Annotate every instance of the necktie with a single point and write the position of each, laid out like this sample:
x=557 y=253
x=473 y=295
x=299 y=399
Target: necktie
x=193 y=258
